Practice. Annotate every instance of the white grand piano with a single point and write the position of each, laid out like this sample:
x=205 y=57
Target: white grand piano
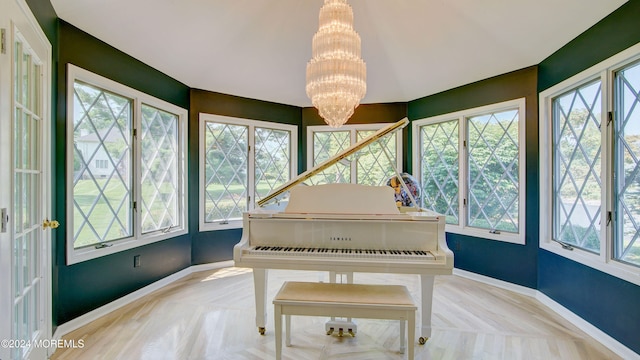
x=343 y=228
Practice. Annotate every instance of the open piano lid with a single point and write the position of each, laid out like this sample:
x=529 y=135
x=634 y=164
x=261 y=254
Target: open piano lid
x=281 y=192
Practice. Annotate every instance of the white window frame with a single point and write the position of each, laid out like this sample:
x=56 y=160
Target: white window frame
x=251 y=124
x=138 y=239
x=353 y=136
x=604 y=261
x=462 y=118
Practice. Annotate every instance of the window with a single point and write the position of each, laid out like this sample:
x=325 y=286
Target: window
x=373 y=165
x=241 y=161
x=101 y=164
x=126 y=173
x=590 y=166
x=471 y=167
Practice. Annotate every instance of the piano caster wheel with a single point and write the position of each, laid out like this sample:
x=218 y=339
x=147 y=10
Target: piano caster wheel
x=422 y=340
x=261 y=330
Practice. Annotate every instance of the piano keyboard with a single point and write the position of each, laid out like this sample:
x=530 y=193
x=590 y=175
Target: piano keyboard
x=343 y=253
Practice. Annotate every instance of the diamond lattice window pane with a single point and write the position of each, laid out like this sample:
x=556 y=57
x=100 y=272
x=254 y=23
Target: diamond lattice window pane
x=226 y=152
x=272 y=160
x=101 y=195
x=372 y=164
x=494 y=171
x=577 y=163
x=325 y=145
x=159 y=170
x=627 y=164
x=440 y=169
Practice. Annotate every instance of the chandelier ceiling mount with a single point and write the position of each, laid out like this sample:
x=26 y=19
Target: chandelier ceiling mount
x=336 y=74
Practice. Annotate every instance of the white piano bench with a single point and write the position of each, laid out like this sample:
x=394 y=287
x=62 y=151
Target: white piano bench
x=345 y=300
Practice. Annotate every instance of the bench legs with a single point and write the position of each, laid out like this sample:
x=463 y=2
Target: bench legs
x=277 y=315
x=287 y=330
x=410 y=323
x=402 y=343
x=411 y=338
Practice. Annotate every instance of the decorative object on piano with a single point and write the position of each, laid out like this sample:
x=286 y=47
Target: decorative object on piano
x=336 y=75
x=401 y=196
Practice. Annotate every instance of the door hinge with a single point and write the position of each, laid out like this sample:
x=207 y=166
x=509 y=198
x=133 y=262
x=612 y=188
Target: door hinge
x=5 y=220
x=135 y=205
x=3 y=41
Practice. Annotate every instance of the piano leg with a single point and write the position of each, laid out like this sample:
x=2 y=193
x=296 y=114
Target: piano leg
x=426 y=285
x=260 y=286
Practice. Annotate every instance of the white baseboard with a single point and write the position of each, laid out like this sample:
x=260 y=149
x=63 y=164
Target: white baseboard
x=606 y=340
x=585 y=326
x=83 y=320
x=523 y=290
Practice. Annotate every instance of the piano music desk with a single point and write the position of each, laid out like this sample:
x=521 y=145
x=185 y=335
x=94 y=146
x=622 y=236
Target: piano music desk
x=344 y=300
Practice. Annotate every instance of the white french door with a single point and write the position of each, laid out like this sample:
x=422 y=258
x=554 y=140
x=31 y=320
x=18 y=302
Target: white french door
x=25 y=235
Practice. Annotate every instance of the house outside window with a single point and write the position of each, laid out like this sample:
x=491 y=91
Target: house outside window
x=126 y=169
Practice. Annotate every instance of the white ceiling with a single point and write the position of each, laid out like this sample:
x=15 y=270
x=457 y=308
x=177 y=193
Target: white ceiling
x=259 y=48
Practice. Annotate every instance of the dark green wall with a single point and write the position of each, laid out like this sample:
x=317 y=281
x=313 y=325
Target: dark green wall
x=509 y=262
x=82 y=287
x=607 y=302
x=611 y=35
x=212 y=246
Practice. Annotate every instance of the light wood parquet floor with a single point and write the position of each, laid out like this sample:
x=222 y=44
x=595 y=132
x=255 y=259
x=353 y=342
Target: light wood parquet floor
x=211 y=315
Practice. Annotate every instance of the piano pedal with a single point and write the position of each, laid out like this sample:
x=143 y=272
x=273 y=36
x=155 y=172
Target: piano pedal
x=341 y=327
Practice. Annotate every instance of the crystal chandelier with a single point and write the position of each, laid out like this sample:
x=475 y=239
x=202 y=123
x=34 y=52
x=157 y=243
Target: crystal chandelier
x=336 y=75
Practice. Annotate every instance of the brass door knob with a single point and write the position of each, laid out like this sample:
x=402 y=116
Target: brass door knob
x=50 y=224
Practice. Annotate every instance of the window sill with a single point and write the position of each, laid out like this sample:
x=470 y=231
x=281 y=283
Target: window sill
x=485 y=234
x=234 y=224
x=75 y=256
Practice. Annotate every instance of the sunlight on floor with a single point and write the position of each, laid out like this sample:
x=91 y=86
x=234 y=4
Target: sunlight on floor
x=226 y=272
